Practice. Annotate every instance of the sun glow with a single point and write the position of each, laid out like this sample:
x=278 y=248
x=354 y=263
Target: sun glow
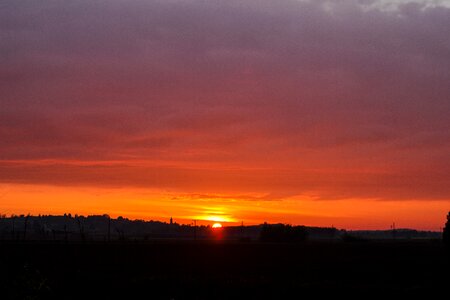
x=220 y=218
x=217 y=225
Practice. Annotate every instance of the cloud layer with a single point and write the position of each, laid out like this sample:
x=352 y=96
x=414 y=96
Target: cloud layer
x=336 y=100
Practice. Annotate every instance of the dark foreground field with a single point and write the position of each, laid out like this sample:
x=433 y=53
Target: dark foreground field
x=209 y=270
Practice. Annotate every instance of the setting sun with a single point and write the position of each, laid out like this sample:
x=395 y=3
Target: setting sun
x=217 y=225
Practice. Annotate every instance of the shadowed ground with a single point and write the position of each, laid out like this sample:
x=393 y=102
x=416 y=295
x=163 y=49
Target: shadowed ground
x=213 y=270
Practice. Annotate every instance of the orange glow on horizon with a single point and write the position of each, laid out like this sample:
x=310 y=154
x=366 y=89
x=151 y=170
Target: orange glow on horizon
x=160 y=205
x=217 y=225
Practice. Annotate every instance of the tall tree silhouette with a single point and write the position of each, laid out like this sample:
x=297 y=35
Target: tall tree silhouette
x=446 y=234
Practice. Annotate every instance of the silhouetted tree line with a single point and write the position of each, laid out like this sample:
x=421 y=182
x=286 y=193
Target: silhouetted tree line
x=283 y=233
x=69 y=227
x=446 y=233
x=91 y=228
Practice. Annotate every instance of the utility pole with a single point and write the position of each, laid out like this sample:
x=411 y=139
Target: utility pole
x=25 y=227
x=13 y=232
x=394 y=232
x=195 y=230
x=109 y=228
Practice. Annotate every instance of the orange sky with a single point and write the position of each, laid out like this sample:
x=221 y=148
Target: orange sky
x=305 y=112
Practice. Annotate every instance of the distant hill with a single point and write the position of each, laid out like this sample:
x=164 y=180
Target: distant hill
x=395 y=234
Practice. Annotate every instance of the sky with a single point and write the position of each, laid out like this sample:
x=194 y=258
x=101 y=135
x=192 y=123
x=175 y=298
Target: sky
x=322 y=113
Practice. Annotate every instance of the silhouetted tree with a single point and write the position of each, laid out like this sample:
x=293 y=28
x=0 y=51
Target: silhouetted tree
x=446 y=234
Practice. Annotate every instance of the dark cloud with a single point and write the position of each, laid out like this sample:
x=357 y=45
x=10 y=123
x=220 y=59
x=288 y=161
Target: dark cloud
x=328 y=91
